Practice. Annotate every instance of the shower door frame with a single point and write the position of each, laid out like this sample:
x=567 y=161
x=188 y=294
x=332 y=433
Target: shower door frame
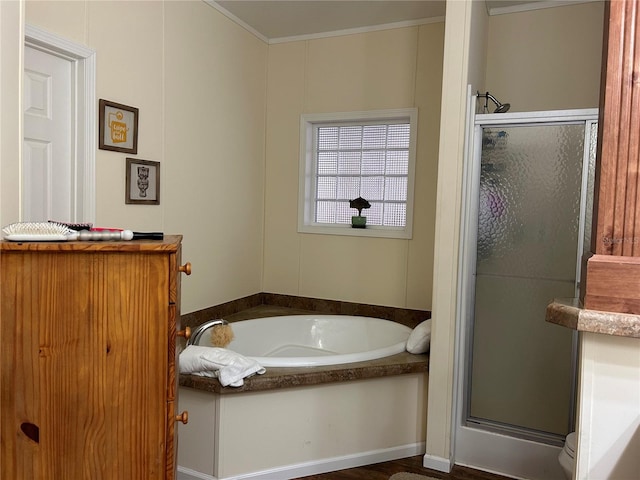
x=482 y=446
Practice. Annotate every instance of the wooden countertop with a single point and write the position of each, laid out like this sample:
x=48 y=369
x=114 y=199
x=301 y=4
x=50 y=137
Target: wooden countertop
x=170 y=243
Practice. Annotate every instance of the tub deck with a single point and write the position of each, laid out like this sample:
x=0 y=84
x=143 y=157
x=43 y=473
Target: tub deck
x=278 y=378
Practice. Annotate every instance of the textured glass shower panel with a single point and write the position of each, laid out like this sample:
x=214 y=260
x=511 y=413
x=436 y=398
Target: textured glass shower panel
x=530 y=201
x=528 y=223
x=521 y=364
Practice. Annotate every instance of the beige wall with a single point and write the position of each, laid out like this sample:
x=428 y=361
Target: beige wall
x=199 y=82
x=12 y=35
x=547 y=59
x=387 y=69
x=465 y=33
x=215 y=80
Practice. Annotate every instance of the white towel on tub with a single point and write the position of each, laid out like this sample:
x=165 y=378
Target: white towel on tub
x=230 y=367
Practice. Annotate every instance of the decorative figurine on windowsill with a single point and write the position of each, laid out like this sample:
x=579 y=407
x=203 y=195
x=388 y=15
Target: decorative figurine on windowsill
x=359 y=221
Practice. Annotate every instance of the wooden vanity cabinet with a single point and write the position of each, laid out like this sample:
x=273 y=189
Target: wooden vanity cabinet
x=88 y=359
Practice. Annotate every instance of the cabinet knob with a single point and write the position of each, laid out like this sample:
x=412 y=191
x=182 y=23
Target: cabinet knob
x=183 y=417
x=186 y=333
x=186 y=268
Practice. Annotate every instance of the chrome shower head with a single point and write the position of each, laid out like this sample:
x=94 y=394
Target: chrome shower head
x=500 y=107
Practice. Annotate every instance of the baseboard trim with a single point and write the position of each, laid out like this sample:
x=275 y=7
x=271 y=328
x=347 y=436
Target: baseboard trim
x=188 y=474
x=315 y=467
x=440 y=464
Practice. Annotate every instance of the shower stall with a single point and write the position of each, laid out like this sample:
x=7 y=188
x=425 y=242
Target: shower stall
x=526 y=217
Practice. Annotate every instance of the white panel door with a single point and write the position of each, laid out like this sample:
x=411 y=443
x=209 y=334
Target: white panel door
x=47 y=178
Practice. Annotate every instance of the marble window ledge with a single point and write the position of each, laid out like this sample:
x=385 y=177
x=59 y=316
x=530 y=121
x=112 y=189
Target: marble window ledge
x=569 y=313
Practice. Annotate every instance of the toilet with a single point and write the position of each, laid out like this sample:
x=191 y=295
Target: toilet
x=567 y=456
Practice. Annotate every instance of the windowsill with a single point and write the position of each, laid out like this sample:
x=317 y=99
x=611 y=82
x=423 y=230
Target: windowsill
x=370 y=231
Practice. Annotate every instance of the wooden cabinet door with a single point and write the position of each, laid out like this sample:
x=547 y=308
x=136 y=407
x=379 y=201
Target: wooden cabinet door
x=84 y=365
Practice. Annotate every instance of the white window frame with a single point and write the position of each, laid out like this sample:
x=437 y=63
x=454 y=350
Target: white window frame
x=307 y=172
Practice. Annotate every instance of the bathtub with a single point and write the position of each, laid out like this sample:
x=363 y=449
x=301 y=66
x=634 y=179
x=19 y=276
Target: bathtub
x=296 y=430
x=312 y=340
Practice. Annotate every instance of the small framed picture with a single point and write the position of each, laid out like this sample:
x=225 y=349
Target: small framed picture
x=142 y=182
x=118 y=127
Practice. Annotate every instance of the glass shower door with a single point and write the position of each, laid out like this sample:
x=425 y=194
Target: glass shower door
x=522 y=368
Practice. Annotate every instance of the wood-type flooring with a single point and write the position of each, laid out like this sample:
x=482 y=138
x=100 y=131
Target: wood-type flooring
x=382 y=471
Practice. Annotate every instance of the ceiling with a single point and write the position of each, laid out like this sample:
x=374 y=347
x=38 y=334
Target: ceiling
x=274 y=20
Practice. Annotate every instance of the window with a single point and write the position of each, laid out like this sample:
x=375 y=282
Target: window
x=362 y=154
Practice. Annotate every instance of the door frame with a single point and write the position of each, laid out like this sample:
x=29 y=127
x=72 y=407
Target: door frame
x=83 y=60
x=472 y=446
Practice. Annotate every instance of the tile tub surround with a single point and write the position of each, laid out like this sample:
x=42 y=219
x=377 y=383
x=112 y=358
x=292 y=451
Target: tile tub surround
x=569 y=313
x=277 y=378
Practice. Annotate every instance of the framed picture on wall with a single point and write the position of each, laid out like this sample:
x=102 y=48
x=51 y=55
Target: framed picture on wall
x=118 y=127
x=142 y=185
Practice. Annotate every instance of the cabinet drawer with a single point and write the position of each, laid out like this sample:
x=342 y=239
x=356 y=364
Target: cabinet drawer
x=86 y=376
x=173 y=420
